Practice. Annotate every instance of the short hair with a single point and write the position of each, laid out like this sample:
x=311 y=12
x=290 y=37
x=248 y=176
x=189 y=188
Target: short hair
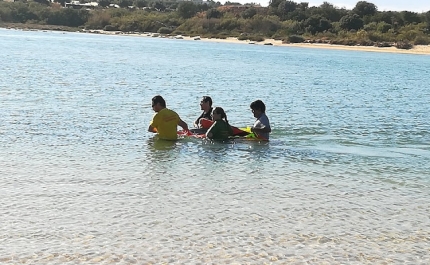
x=207 y=99
x=258 y=105
x=159 y=99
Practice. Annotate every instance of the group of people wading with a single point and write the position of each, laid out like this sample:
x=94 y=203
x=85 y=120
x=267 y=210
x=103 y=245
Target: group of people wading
x=165 y=121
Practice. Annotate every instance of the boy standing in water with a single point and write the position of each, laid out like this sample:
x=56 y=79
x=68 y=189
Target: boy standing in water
x=262 y=125
x=165 y=121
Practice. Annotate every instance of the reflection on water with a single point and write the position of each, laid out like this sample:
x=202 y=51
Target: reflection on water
x=155 y=144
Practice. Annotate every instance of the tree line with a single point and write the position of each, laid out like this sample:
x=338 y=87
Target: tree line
x=286 y=20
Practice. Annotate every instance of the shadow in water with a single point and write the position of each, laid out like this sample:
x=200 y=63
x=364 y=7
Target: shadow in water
x=156 y=144
x=215 y=151
x=159 y=150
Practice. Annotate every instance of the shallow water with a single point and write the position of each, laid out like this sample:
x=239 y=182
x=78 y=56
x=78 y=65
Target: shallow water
x=344 y=180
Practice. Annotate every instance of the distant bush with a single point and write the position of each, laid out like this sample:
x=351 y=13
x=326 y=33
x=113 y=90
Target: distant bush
x=370 y=27
x=366 y=43
x=256 y=38
x=383 y=27
x=349 y=42
x=165 y=30
x=243 y=37
x=383 y=44
x=277 y=36
x=421 y=40
x=214 y=36
x=295 y=39
x=404 y=45
x=111 y=28
x=178 y=32
x=224 y=34
x=344 y=42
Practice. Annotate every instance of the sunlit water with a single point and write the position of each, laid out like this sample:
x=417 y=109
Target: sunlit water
x=345 y=178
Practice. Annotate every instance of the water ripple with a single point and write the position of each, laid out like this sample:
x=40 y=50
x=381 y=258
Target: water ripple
x=344 y=179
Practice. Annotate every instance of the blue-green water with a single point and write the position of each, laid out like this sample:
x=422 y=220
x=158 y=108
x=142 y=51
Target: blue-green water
x=344 y=180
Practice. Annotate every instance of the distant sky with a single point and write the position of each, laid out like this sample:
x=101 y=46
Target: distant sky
x=383 y=5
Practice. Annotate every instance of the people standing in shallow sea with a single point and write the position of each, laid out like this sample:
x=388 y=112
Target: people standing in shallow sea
x=206 y=106
x=262 y=125
x=220 y=130
x=165 y=121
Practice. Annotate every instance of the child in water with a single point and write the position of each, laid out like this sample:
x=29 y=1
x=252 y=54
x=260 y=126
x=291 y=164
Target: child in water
x=220 y=130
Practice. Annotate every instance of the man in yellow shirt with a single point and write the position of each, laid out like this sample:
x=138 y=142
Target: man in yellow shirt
x=165 y=121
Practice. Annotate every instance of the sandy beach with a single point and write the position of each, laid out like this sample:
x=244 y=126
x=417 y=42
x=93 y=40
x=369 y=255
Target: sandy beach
x=419 y=49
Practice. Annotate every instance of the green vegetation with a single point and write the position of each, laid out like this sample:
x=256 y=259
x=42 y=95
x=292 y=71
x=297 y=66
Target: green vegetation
x=283 y=20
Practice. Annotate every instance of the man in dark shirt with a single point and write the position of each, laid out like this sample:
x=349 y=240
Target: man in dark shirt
x=206 y=106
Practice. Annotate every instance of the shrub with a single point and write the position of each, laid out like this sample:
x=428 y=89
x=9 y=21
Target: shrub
x=370 y=27
x=243 y=37
x=383 y=44
x=349 y=42
x=165 y=30
x=366 y=43
x=111 y=28
x=383 y=27
x=256 y=38
x=178 y=32
x=375 y=36
x=295 y=39
x=277 y=36
x=421 y=40
x=404 y=45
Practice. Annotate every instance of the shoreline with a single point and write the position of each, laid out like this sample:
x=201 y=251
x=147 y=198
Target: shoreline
x=417 y=49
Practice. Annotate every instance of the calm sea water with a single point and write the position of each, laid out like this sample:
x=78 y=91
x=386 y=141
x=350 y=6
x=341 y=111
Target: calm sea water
x=345 y=178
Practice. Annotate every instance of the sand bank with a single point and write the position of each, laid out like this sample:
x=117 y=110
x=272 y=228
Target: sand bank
x=419 y=49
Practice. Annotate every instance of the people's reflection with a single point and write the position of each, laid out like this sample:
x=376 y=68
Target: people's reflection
x=160 y=151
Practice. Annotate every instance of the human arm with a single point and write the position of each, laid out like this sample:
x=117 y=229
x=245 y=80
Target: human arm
x=261 y=130
x=220 y=130
x=196 y=123
x=213 y=131
x=152 y=129
x=153 y=125
x=209 y=133
x=183 y=125
x=262 y=125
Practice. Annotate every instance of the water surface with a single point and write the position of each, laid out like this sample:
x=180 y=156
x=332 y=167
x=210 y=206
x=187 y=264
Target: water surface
x=344 y=180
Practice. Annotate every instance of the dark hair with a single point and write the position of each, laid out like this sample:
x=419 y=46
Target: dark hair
x=220 y=111
x=258 y=105
x=159 y=99
x=207 y=99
